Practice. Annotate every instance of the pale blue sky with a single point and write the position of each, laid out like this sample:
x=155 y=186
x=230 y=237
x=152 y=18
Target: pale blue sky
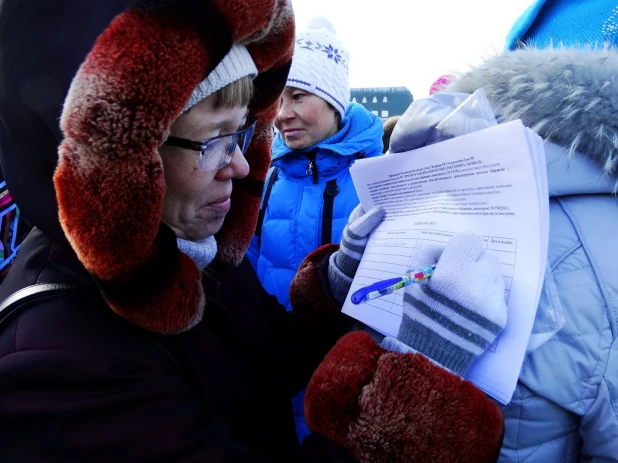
x=412 y=42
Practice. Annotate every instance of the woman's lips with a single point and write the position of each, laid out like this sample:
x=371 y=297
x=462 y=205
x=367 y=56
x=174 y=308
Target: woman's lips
x=222 y=205
x=291 y=132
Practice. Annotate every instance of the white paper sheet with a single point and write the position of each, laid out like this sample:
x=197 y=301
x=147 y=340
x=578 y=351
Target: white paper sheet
x=492 y=182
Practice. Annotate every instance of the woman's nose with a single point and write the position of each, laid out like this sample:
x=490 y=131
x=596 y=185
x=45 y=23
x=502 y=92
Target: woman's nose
x=237 y=168
x=285 y=112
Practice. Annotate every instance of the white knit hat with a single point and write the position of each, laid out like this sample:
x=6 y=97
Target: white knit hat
x=235 y=65
x=320 y=65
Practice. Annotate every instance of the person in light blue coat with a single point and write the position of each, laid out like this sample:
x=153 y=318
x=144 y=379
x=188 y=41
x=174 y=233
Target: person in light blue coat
x=309 y=194
x=565 y=406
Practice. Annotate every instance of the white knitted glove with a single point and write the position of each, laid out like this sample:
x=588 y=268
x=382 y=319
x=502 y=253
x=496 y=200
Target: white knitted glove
x=453 y=316
x=343 y=264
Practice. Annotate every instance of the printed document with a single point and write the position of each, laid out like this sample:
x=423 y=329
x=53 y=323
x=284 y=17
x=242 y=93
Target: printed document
x=492 y=182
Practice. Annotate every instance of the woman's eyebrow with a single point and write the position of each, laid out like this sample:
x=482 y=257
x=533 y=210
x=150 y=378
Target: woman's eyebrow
x=231 y=121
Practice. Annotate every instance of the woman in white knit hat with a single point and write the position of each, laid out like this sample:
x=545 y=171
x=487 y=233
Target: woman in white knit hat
x=309 y=194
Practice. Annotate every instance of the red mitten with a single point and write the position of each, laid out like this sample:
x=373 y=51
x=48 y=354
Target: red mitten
x=308 y=293
x=391 y=407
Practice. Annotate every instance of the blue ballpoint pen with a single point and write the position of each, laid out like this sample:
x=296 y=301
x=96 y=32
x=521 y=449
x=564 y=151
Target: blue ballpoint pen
x=382 y=288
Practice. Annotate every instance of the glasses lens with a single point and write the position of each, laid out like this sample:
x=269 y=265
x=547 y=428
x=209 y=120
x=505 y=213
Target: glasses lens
x=229 y=150
x=219 y=152
x=214 y=154
x=245 y=137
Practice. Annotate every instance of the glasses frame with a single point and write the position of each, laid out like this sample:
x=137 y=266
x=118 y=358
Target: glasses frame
x=245 y=135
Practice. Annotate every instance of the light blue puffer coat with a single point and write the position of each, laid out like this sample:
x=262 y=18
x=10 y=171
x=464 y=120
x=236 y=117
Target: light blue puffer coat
x=292 y=226
x=565 y=407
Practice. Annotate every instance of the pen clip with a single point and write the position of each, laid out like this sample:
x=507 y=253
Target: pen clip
x=360 y=295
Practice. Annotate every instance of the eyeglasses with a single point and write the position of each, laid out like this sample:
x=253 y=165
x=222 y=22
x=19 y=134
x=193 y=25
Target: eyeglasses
x=216 y=152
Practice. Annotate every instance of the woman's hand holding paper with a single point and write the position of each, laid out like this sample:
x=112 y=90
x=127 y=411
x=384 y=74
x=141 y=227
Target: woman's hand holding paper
x=343 y=264
x=456 y=314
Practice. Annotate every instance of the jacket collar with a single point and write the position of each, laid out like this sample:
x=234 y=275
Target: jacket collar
x=361 y=131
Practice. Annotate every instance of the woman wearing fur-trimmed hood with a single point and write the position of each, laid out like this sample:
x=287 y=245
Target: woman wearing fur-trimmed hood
x=564 y=407
x=132 y=327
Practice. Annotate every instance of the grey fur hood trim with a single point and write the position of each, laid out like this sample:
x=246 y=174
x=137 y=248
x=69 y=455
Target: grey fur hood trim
x=567 y=96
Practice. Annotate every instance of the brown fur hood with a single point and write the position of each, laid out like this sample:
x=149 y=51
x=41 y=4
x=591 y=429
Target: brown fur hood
x=109 y=181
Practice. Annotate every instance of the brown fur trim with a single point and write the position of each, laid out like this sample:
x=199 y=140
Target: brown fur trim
x=182 y=293
x=239 y=227
x=271 y=47
x=109 y=180
x=308 y=294
x=331 y=399
x=178 y=284
x=391 y=407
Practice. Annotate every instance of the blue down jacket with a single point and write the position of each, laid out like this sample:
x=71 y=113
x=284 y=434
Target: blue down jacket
x=292 y=226
x=565 y=406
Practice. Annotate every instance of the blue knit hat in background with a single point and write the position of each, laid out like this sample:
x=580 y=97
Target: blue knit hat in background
x=572 y=23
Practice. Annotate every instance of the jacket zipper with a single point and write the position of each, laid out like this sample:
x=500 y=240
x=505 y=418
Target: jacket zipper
x=312 y=168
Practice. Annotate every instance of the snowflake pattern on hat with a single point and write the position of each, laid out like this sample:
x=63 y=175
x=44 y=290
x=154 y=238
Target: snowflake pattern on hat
x=610 y=28
x=320 y=66
x=331 y=52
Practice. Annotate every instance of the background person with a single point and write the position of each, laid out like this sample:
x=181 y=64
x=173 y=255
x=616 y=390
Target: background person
x=389 y=125
x=309 y=194
x=559 y=78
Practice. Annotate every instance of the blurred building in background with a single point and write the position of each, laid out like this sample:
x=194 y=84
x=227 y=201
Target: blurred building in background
x=383 y=101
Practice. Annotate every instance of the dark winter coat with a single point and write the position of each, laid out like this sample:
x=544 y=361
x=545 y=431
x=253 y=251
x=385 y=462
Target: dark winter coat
x=80 y=383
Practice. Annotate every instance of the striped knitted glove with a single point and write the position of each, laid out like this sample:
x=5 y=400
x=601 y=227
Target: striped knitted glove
x=343 y=264
x=453 y=316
